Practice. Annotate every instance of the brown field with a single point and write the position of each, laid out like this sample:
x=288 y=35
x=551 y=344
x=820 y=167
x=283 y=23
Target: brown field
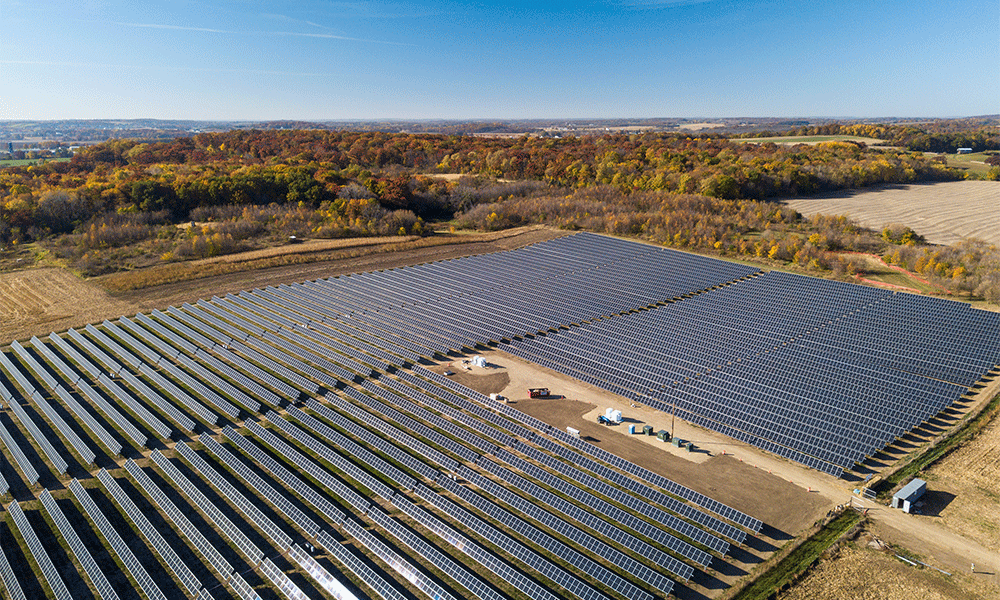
x=944 y=213
x=967 y=482
x=699 y=126
x=859 y=571
x=37 y=301
x=810 y=140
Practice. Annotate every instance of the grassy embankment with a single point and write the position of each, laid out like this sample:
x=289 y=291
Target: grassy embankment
x=798 y=560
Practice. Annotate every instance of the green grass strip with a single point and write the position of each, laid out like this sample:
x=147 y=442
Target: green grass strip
x=799 y=559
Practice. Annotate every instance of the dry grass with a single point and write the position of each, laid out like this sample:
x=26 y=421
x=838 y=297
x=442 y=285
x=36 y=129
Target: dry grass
x=53 y=299
x=306 y=247
x=861 y=572
x=972 y=474
x=944 y=213
x=297 y=254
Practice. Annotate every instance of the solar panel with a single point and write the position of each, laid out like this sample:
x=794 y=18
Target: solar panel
x=49 y=572
x=281 y=581
x=207 y=551
x=67 y=432
x=369 y=439
x=261 y=487
x=250 y=511
x=233 y=533
x=372 y=579
x=348 y=466
x=80 y=551
x=639 y=506
x=27 y=469
x=152 y=397
x=180 y=395
x=595 y=546
x=473 y=550
x=321 y=576
x=124 y=424
x=397 y=435
x=399 y=564
x=601 y=526
x=169 y=335
x=121 y=550
x=55 y=459
x=529 y=532
x=9 y=580
x=292 y=481
x=429 y=553
x=339 y=489
x=152 y=536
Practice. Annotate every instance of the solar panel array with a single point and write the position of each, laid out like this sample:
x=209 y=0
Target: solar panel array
x=542 y=511
x=55 y=581
x=821 y=372
x=10 y=581
x=77 y=547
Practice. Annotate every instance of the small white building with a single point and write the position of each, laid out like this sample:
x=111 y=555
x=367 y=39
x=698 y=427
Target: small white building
x=908 y=496
x=965 y=151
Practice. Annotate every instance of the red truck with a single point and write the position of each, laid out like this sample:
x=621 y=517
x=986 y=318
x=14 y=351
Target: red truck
x=538 y=392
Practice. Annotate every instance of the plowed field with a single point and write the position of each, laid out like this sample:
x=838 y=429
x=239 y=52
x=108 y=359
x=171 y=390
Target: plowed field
x=944 y=213
x=36 y=301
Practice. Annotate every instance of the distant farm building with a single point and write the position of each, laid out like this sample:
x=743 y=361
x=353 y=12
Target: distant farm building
x=965 y=150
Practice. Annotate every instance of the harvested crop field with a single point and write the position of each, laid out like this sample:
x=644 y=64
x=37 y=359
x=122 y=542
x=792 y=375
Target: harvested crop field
x=37 y=301
x=944 y=213
x=966 y=481
x=861 y=572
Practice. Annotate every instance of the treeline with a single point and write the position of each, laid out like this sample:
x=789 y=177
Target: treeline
x=129 y=203
x=970 y=266
x=313 y=167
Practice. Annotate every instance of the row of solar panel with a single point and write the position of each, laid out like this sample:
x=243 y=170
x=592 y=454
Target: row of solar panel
x=521 y=505
x=486 y=505
x=633 y=486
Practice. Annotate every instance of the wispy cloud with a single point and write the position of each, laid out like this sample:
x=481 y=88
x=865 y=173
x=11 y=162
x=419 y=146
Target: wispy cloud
x=328 y=36
x=288 y=19
x=48 y=63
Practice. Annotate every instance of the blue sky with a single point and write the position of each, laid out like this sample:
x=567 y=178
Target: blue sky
x=317 y=59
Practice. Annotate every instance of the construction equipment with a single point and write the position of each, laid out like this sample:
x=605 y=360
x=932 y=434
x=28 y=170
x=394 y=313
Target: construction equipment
x=538 y=392
x=603 y=420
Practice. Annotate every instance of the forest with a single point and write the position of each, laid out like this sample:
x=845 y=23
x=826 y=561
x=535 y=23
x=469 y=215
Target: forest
x=130 y=203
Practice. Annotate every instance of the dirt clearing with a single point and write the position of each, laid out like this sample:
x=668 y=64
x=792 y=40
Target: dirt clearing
x=944 y=213
x=735 y=478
